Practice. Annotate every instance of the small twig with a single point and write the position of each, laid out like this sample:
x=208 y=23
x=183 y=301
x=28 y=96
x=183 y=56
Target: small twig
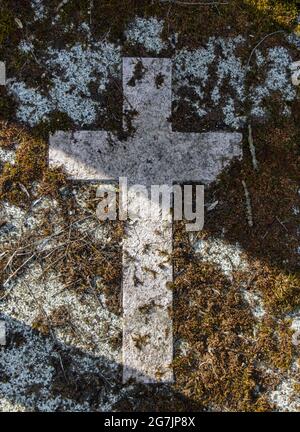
x=217 y=9
x=10 y=259
x=282 y=224
x=26 y=246
x=268 y=229
x=259 y=43
x=91 y=10
x=16 y=272
x=252 y=148
x=94 y=292
x=61 y=5
x=23 y=188
x=248 y=205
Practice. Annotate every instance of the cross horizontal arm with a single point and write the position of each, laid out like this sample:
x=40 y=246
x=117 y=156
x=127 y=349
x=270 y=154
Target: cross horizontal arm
x=97 y=155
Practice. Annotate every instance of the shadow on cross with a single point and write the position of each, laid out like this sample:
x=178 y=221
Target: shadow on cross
x=42 y=374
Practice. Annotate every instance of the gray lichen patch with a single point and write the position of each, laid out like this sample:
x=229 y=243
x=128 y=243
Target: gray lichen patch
x=39 y=373
x=73 y=74
x=212 y=87
x=277 y=63
x=146 y=33
x=75 y=320
x=39 y=9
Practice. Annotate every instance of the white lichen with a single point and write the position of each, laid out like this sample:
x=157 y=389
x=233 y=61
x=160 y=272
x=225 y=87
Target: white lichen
x=230 y=66
x=260 y=59
x=228 y=257
x=33 y=107
x=29 y=365
x=148 y=33
x=255 y=303
x=194 y=68
x=215 y=74
x=277 y=62
x=25 y=46
x=73 y=72
x=231 y=119
x=39 y=9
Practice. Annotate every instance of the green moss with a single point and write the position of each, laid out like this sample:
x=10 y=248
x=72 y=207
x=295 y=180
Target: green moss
x=281 y=11
x=6 y=23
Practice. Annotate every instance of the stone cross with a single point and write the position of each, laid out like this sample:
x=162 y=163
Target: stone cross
x=152 y=155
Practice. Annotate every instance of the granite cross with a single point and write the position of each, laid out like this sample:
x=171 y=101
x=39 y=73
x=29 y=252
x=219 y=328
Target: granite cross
x=153 y=155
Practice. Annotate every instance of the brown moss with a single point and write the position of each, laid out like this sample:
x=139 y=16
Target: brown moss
x=41 y=324
x=9 y=135
x=140 y=341
x=155 y=398
x=275 y=343
x=159 y=80
x=138 y=73
x=210 y=315
x=71 y=382
x=115 y=342
x=271 y=244
x=60 y=316
x=229 y=350
x=6 y=22
x=16 y=180
x=280 y=291
x=52 y=181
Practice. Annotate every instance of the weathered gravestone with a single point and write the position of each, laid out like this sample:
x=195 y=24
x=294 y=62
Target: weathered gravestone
x=152 y=155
